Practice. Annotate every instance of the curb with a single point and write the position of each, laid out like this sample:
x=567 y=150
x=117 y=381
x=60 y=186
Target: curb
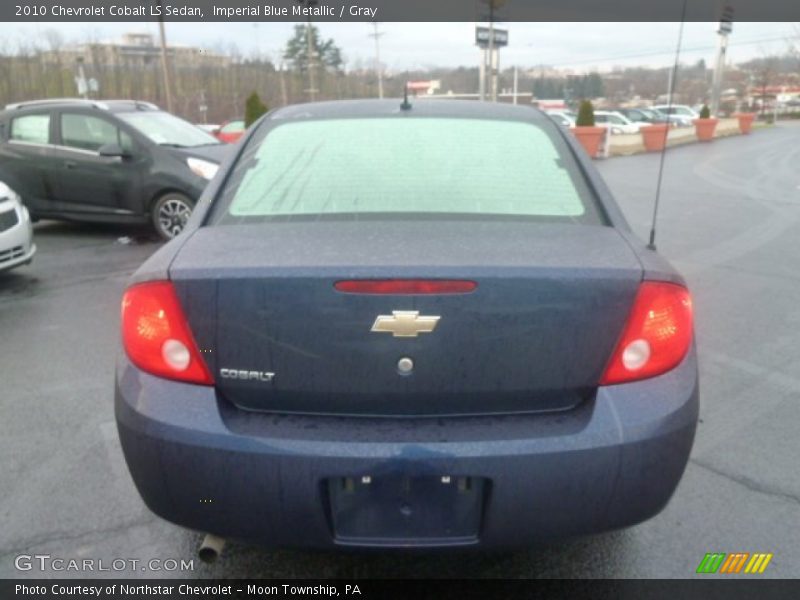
x=630 y=144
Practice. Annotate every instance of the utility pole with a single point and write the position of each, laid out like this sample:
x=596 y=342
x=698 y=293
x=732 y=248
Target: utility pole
x=378 y=70
x=311 y=52
x=516 y=83
x=284 y=96
x=311 y=55
x=669 y=85
x=164 y=63
x=725 y=29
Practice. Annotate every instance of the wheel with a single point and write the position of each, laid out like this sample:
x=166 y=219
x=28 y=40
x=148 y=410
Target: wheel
x=170 y=214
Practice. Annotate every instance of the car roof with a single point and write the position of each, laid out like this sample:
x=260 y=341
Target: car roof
x=419 y=108
x=61 y=103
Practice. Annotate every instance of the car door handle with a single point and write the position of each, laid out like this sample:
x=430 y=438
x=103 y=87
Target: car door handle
x=71 y=165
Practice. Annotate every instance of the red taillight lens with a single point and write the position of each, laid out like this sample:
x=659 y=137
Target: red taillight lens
x=405 y=286
x=657 y=335
x=157 y=338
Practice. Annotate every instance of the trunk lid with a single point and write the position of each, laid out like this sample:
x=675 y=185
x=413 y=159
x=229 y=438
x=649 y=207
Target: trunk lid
x=550 y=303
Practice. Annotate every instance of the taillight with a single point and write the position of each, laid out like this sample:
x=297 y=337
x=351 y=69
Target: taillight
x=156 y=336
x=657 y=335
x=405 y=286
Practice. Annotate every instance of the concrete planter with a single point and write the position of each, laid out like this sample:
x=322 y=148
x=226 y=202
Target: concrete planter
x=654 y=137
x=704 y=128
x=590 y=138
x=745 y=121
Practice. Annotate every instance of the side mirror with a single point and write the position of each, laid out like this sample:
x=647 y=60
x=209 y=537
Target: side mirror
x=113 y=151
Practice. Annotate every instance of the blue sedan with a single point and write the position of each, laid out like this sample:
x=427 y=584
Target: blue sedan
x=410 y=325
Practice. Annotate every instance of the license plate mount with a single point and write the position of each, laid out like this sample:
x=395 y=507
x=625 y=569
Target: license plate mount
x=413 y=510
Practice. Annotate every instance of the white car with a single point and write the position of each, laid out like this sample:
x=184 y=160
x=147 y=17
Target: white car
x=616 y=122
x=680 y=114
x=16 y=231
x=211 y=128
x=562 y=117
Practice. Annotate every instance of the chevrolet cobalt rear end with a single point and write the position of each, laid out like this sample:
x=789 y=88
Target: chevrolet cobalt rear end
x=406 y=326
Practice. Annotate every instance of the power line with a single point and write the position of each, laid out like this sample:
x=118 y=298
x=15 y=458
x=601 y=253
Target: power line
x=667 y=52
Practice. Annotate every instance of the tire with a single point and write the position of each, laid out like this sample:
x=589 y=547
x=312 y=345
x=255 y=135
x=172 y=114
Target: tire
x=170 y=214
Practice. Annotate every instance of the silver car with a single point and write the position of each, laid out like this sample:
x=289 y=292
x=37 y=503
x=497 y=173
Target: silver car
x=16 y=231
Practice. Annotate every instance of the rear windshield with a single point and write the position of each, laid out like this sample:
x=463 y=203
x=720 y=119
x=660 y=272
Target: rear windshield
x=355 y=168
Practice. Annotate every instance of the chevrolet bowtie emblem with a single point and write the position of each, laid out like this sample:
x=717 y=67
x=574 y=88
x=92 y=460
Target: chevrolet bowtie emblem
x=404 y=323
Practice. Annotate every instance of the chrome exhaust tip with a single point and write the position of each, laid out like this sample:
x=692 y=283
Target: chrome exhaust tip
x=211 y=548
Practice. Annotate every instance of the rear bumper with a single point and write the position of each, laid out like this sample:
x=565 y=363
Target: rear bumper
x=612 y=462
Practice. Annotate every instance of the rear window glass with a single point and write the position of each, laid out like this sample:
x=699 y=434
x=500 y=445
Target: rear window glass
x=34 y=129
x=403 y=166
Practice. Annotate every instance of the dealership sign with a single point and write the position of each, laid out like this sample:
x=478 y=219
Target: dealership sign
x=499 y=37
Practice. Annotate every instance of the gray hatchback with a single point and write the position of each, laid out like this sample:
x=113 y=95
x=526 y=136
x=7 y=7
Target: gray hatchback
x=116 y=161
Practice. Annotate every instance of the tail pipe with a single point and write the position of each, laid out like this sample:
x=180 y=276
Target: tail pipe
x=211 y=548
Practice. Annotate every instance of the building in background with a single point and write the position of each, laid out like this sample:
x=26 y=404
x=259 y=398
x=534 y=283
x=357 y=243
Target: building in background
x=135 y=50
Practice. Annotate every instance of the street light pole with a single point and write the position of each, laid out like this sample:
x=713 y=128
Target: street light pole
x=377 y=34
x=312 y=90
x=725 y=28
x=492 y=73
x=284 y=96
x=516 y=83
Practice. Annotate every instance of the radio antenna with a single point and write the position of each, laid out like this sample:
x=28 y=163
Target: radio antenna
x=672 y=80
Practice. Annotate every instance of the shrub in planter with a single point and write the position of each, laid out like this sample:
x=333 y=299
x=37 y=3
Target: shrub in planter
x=585 y=131
x=585 y=114
x=705 y=126
x=253 y=109
x=654 y=136
x=745 y=121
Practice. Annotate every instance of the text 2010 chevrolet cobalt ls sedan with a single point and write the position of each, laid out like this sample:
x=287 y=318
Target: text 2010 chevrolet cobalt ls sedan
x=409 y=326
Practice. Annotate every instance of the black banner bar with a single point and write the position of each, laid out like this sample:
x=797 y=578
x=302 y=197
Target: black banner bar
x=393 y=10
x=711 y=588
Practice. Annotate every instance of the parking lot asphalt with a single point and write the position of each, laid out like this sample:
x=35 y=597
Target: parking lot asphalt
x=730 y=220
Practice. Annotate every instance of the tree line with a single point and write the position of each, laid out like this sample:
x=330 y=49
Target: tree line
x=208 y=92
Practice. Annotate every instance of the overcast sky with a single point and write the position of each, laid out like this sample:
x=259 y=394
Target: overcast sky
x=579 y=46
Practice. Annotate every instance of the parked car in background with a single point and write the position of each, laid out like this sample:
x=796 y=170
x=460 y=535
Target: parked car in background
x=351 y=347
x=645 y=116
x=615 y=122
x=230 y=131
x=16 y=232
x=119 y=161
x=562 y=117
x=680 y=114
x=211 y=128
